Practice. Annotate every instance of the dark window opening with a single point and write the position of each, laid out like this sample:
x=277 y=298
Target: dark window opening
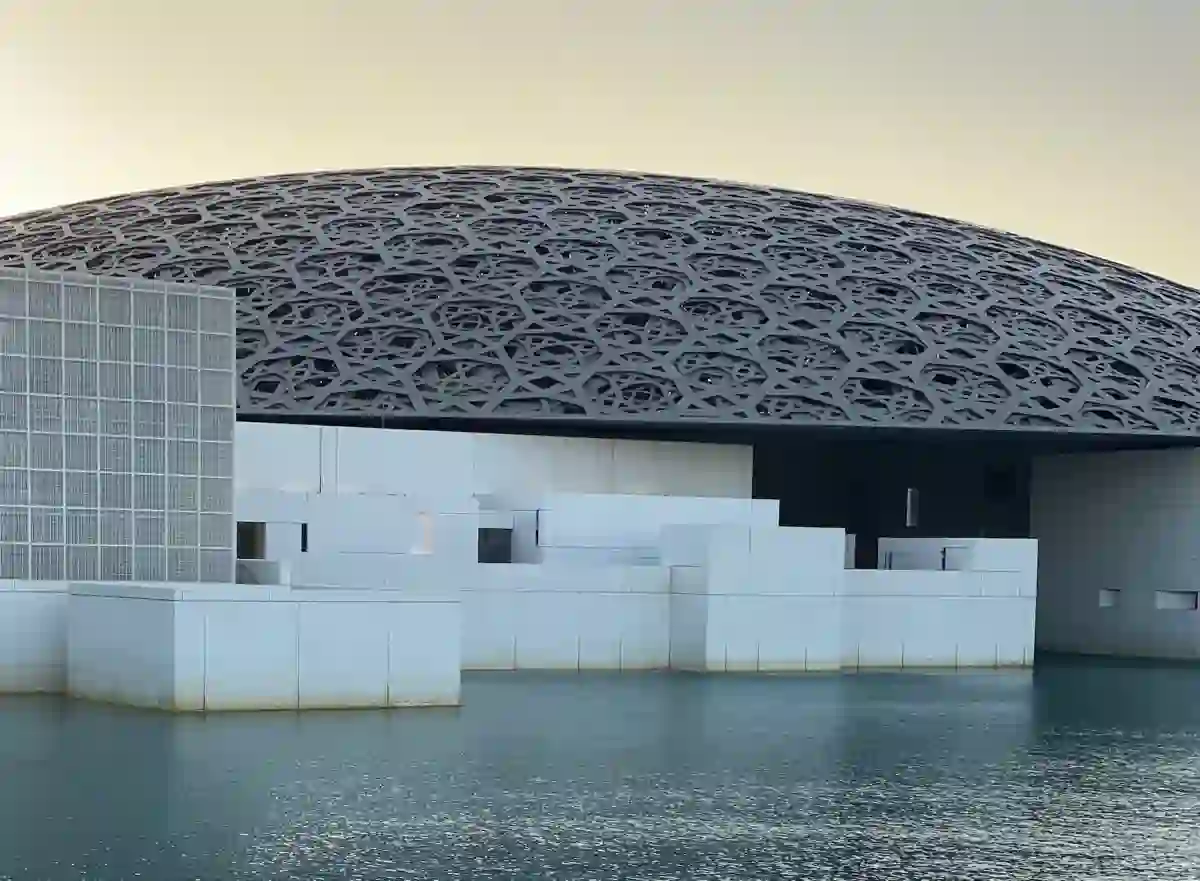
x=251 y=541
x=304 y=538
x=495 y=545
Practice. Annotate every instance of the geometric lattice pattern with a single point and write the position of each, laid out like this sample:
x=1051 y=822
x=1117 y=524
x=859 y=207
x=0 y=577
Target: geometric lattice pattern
x=116 y=429
x=537 y=293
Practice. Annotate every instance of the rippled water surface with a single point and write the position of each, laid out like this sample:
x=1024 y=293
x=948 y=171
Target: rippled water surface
x=1073 y=772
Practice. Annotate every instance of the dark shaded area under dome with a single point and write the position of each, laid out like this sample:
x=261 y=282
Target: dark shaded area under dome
x=496 y=296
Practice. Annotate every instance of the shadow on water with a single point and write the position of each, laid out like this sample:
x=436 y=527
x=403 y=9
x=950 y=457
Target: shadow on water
x=1079 y=769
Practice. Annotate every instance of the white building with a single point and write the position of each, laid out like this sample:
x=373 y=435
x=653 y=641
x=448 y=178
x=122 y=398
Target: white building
x=554 y=419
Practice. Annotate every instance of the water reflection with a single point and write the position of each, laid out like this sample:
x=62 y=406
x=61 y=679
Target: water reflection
x=1077 y=771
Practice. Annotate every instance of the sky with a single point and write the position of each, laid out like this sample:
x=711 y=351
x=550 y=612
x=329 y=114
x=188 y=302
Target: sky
x=1073 y=121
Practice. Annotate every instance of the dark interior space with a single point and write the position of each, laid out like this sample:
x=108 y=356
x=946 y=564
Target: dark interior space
x=893 y=488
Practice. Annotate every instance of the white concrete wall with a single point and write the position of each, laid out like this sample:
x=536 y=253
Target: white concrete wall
x=33 y=636
x=757 y=598
x=762 y=597
x=922 y=618
x=597 y=529
x=217 y=647
x=1119 y=537
x=356 y=539
x=436 y=465
x=565 y=618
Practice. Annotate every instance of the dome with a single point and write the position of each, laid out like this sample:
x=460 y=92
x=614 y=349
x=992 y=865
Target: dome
x=397 y=296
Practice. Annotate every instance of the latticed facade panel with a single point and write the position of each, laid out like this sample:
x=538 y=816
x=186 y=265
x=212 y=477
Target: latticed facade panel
x=116 y=429
x=533 y=293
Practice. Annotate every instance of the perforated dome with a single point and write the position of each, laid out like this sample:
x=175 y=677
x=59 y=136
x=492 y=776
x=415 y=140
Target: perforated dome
x=515 y=293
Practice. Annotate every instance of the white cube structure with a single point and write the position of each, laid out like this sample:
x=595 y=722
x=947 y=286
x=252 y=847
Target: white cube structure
x=33 y=637
x=755 y=599
x=219 y=647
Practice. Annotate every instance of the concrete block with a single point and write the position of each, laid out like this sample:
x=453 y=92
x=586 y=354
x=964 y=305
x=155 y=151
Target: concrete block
x=873 y=630
x=424 y=654
x=190 y=672
x=250 y=656
x=645 y=632
x=330 y=437
x=120 y=650
x=1005 y=555
x=1001 y=583
x=684 y=544
x=360 y=523
x=277 y=456
x=284 y=541
x=424 y=464
x=271 y=506
x=796 y=561
x=33 y=637
x=547 y=636
x=217 y=647
x=490 y=623
x=688 y=580
x=728 y=560
x=977 y=631
x=343 y=655
x=603 y=617
x=800 y=633
x=688 y=632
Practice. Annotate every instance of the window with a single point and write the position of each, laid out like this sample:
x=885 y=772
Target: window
x=1177 y=600
x=251 y=541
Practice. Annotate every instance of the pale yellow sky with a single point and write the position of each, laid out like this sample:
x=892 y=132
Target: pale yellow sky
x=1075 y=121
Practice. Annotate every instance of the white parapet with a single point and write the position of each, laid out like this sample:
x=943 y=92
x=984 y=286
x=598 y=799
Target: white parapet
x=225 y=647
x=33 y=636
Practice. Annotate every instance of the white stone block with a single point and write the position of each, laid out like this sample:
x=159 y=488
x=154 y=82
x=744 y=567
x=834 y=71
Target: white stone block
x=271 y=506
x=456 y=537
x=490 y=623
x=422 y=464
x=688 y=631
x=250 y=655
x=728 y=560
x=33 y=636
x=330 y=437
x=645 y=631
x=343 y=655
x=799 y=633
x=547 y=636
x=120 y=651
x=277 y=456
x=1005 y=555
x=797 y=561
x=688 y=580
x=602 y=620
x=764 y=513
x=424 y=654
x=361 y=523
x=684 y=544
x=873 y=630
x=284 y=541
x=216 y=647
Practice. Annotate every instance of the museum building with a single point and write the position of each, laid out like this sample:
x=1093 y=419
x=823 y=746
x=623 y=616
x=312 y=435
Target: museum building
x=514 y=418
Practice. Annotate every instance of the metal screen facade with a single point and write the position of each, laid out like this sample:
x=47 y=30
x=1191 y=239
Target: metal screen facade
x=116 y=429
